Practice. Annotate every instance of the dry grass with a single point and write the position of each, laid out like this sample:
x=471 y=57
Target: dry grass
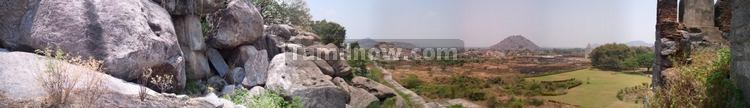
x=68 y=88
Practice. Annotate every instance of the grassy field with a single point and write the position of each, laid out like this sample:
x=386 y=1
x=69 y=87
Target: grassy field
x=599 y=88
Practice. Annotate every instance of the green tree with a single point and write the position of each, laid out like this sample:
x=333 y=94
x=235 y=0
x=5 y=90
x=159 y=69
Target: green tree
x=329 y=32
x=610 y=56
x=293 y=12
x=640 y=60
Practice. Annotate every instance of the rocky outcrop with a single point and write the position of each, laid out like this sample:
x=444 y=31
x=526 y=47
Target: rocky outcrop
x=375 y=88
x=217 y=61
x=305 y=38
x=738 y=37
x=331 y=55
x=235 y=76
x=294 y=76
x=282 y=30
x=240 y=23
x=255 y=63
x=190 y=36
x=360 y=98
x=270 y=44
x=128 y=36
x=22 y=75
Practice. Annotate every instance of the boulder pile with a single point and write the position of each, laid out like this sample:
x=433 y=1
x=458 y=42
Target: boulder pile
x=221 y=44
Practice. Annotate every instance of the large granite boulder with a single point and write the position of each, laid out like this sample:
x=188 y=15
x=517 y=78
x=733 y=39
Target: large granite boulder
x=128 y=36
x=269 y=43
x=330 y=54
x=296 y=77
x=360 y=98
x=217 y=61
x=305 y=38
x=21 y=73
x=282 y=30
x=738 y=39
x=255 y=63
x=375 y=88
x=240 y=23
x=192 y=43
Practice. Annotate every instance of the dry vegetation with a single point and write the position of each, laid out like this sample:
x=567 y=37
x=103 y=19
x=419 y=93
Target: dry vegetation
x=703 y=82
x=69 y=86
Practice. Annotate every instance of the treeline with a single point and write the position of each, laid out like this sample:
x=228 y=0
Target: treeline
x=621 y=57
x=296 y=14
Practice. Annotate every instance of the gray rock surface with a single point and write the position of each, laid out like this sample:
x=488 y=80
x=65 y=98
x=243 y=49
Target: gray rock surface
x=128 y=36
x=375 y=88
x=360 y=98
x=21 y=71
x=305 y=38
x=270 y=43
x=294 y=76
x=255 y=63
x=256 y=91
x=282 y=30
x=330 y=53
x=192 y=43
x=738 y=38
x=235 y=76
x=240 y=23
x=217 y=61
x=217 y=83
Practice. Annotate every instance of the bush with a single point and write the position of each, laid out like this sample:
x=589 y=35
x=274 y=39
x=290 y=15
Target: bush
x=294 y=12
x=705 y=82
x=456 y=106
x=610 y=56
x=536 y=102
x=329 y=32
x=268 y=99
x=411 y=81
x=61 y=84
x=457 y=86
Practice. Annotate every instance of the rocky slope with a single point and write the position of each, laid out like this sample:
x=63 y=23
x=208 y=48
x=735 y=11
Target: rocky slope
x=221 y=44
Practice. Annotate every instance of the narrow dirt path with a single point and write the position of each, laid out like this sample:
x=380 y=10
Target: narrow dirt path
x=388 y=77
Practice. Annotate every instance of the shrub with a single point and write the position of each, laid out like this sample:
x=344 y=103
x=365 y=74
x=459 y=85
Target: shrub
x=610 y=56
x=61 y=84
x=163 y=82
x=329 y=32
x=456 y=106
x=704 y=82
x=536 y=102
x=294 y=12
x=411 y=81
x=268 y=99
x=389 y=103
x=457 y=86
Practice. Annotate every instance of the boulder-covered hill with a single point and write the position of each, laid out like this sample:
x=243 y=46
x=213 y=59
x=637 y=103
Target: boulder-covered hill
x=515 y=42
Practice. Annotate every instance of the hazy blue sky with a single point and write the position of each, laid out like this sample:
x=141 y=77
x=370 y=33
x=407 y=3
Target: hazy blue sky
x=481 y=23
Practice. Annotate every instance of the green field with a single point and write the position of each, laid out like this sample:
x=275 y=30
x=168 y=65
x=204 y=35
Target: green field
x=600 y=91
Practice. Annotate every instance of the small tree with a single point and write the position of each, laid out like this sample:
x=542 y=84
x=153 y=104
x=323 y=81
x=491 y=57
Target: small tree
x=610 y=56
x=329 y=32
x=640 y=60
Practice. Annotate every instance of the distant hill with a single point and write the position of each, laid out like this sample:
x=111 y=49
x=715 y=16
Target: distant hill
x=516 y=42
x=638 y=43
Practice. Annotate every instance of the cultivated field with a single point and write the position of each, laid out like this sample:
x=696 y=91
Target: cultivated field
x=599 y=88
